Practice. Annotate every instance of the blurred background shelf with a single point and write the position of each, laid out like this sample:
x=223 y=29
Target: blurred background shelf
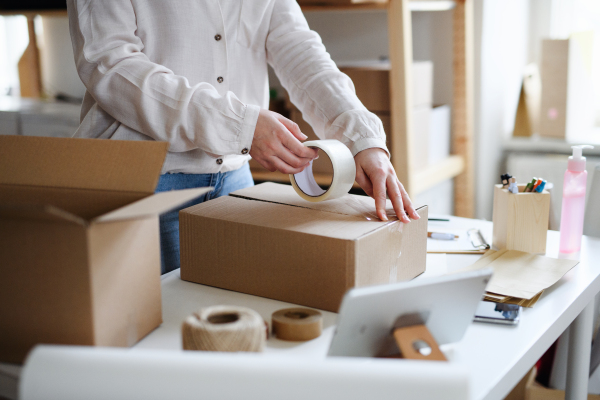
x=414 y=5
x=434 y=174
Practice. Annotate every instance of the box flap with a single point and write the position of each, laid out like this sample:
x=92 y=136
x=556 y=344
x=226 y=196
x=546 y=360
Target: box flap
x=38 y=212
x=354 y=205
x=281 y=216
x=114 y=165
x=153 y=205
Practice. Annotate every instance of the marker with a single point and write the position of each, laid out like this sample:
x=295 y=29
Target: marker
x=538 y=183
x=541 y=187
x=530 y=185
x=442 y=236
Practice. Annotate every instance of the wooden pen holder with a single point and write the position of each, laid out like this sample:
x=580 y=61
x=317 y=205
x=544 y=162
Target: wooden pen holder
x=520 y=220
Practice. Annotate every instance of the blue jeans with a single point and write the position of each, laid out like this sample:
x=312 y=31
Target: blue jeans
x=223 y=182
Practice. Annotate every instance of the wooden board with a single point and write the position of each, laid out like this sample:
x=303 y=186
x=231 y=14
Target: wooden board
x=463 y=103
x=401 y=57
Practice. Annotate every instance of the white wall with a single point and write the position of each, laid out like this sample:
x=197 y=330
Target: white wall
x=501 y=53
x=59 y=74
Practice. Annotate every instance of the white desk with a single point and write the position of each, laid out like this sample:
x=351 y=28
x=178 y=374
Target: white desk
x=496 y=356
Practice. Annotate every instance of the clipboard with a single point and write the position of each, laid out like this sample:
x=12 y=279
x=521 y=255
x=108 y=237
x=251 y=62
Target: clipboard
x=469 y=242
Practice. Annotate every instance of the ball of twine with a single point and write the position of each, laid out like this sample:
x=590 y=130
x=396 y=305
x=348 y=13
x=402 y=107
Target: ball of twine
x=224 y=328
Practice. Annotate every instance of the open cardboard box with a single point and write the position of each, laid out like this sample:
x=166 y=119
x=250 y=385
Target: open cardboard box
x=79 y=241
x=267 y=241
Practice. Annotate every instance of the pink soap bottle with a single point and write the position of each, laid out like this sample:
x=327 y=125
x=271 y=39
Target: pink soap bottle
x=573 y=204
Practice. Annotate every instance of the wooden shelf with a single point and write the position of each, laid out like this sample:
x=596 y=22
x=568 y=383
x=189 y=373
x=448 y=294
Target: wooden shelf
x=414 y=5
x=33 y=13
x=321 y=179
x=344 y=7
x=437 y=173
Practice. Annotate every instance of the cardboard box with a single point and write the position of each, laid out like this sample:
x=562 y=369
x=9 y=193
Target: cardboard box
x=520 y=220
x=567 y=105
x=535 y=391
x=79 y=241
x=439 y=134
x=421 y=130
x=337 y=2
x=269 y=242
x=527 y=118
x=372 y=84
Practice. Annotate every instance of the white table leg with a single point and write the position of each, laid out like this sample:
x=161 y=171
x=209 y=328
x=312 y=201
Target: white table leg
x=580 y=347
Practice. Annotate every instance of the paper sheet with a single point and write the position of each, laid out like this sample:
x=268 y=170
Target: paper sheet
x=78 y=372
x=520 y=274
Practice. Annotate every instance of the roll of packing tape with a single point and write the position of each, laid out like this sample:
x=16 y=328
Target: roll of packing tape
x=297 y=324
x=344 y=172
x=224 y=328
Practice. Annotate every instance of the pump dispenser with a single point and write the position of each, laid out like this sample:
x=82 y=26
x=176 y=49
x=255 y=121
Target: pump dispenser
x=573 y=204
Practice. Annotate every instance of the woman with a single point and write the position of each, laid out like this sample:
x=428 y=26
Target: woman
x=194 y=73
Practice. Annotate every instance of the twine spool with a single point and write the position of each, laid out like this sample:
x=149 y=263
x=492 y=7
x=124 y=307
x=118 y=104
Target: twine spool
x=224 y=328
x=297 y=324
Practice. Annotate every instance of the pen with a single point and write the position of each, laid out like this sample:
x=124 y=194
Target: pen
x=529 y=186
x=438 y=219
x=538 y=183
x=442 y=236
x=541 y=187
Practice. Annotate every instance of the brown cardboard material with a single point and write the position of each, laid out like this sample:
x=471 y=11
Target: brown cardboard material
x=527 y=118
x=536 y=391
x=372 y=84
x=420 y=145
x=439 y=134
x=79 y=241
x=268 y=242
x=566 y=79
x=337 y=2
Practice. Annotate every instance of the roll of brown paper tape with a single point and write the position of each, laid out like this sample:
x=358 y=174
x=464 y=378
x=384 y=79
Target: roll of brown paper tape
x=224 y=328
x=297 y=324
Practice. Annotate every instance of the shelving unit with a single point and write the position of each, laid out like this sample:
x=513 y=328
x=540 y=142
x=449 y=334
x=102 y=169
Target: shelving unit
x=460 y=164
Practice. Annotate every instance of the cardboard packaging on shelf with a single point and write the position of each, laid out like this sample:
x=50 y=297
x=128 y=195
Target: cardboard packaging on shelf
x=337 y=2
x=269 y=242
x=421 y=129
x=372 y=84
x=567 y=105
x=79 y=241
x=439 y=134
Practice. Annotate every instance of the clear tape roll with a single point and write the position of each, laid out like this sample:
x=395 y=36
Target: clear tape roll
x=224 y=328
x=344 y=173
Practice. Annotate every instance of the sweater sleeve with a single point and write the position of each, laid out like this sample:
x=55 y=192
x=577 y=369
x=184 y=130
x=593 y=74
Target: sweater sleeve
x=149 y=97
x=316 y=86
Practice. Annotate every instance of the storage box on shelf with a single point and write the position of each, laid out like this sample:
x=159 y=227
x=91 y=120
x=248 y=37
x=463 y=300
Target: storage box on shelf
x=567 y=90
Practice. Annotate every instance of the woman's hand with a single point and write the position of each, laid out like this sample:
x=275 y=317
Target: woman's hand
x=376 y=175
x=276 y=144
